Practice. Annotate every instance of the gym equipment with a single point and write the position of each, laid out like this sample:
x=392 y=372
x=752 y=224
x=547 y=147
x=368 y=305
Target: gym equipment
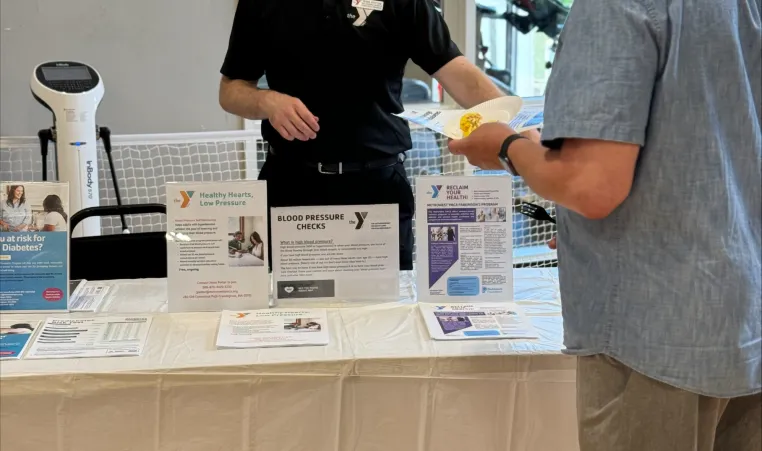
x=72 y=91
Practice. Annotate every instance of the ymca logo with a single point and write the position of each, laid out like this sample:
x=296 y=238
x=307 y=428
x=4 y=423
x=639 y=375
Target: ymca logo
x=435 y=191
x=364 y=8
x=187 y=195
x=360 y=219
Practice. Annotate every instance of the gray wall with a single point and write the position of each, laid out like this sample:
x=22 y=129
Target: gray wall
x=159 y=60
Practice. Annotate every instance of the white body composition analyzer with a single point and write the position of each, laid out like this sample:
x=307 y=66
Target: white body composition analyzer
x=72 y=91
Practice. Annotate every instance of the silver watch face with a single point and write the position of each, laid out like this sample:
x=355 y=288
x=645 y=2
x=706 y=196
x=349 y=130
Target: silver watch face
x=505 y=164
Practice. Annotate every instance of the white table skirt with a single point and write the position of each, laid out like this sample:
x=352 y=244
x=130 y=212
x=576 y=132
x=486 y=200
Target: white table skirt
x=380 y=385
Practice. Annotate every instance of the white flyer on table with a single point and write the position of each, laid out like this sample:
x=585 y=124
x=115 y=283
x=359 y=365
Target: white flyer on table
x=88 y=296
x=349 y=252
x=217 y=246
x=520 y=113
x=483 y=321
x=108 y=336
x=464 y=238
x=273 y=328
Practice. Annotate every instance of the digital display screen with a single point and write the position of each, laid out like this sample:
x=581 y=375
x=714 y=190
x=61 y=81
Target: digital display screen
x=66 y=73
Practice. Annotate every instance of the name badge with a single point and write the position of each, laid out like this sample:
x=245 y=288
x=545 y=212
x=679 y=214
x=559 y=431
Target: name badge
x=374 y=5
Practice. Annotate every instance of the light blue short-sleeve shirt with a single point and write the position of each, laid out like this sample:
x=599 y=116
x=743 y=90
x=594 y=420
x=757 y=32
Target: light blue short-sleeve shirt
x=15 y=214
x=670 y=283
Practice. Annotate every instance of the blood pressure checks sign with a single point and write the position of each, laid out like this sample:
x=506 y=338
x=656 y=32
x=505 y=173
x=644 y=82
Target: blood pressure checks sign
x=336 y=252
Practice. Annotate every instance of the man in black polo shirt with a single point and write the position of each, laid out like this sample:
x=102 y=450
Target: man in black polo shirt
x=334 y=69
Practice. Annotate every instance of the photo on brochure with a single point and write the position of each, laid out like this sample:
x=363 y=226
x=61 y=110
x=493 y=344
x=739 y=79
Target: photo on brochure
x=33 y=207
x=17 y=329
x=245 y=244
x=304 y=325
x=453 y=323
x=444 y=233
x=14 y=338
x=493 y=214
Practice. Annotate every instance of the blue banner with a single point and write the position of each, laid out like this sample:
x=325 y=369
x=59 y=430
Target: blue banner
x=34 y=271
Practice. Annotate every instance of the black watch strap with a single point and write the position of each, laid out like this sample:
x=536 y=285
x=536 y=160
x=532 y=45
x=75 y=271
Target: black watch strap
x=503 y=155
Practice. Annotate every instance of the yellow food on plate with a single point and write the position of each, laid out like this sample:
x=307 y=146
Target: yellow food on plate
x=470 y=122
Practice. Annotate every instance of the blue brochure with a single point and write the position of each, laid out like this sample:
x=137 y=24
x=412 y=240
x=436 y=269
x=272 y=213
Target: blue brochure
x=14 y=337
x=34 y=246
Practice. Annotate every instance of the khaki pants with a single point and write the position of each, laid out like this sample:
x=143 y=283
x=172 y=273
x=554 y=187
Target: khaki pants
x=622 y=410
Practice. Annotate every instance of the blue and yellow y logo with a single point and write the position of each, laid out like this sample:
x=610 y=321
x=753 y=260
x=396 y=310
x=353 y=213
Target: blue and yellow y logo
x=435 y=189
x=186 y=198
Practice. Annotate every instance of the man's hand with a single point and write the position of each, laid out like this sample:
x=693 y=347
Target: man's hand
x=552 y=243
x=483 y=145
x=290 y=117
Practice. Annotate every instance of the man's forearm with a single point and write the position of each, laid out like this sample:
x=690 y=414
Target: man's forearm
x=468 y=85
x=544 y=171
x=579 y=181
x=244 y=99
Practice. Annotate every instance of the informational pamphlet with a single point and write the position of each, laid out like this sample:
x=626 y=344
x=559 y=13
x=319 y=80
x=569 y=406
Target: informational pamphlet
x=464 y=239
x=88 y=296
x=217 y=246
x=476 y=321
x=74 y=284
x=273 y=328
x=346 y=252
x=34 y=246
x=112 y=336
x=520 y=113
x=15 y=335
x=531 y=116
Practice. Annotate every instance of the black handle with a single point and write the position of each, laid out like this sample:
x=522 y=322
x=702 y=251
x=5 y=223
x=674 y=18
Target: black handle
x=45 y=136
x=105 y=134
x=115 y=210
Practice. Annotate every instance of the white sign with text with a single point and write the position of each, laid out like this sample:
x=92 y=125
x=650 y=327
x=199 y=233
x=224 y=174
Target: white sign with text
x=217 y=246
x=348 y=252
x=464 y=239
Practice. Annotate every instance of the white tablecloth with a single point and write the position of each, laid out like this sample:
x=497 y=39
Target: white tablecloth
x=380 y=385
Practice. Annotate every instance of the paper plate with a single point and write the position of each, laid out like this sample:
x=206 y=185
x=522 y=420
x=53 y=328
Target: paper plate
x=502 y=109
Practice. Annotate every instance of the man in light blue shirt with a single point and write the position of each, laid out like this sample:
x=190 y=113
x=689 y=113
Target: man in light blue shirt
x=653 y=148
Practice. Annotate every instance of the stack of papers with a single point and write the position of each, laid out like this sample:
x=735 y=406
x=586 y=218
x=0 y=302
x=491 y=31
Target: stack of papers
x=273 y=328
x=482 y=321
x=87 y=296
x=113 y=336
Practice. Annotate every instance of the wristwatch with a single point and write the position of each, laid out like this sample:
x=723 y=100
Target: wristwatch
x=503 y=155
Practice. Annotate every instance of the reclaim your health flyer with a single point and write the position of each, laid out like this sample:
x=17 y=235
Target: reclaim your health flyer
x=465 y=238
x=34 y=247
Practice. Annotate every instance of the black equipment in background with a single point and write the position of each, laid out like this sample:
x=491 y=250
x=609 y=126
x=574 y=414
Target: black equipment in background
x=121 y=256
x=547 y=16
